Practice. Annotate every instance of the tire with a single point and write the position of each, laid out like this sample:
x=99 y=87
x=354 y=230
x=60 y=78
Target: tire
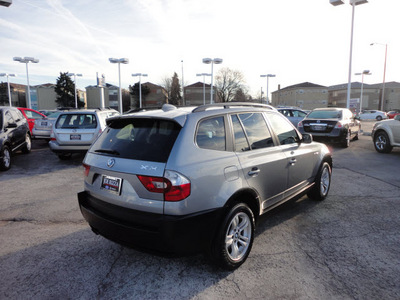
x=322 y=183
x=346 y=142
x=5 y=162
x=28 y=144
x=64 y=156
x=234 y=238
x=379 y=118
x=382 y=142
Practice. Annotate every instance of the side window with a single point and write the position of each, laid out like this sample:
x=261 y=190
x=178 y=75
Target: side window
x=257 y=131
x=298 y=113
x=17 y=117
x=241 y=143
x=283 y=129
x=211 y=134
x=35 y=115
x=8 y=118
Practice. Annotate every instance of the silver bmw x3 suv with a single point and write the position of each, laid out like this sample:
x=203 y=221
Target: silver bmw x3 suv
x=184 y=180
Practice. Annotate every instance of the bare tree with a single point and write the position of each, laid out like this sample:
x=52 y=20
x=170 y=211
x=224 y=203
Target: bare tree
x=228 y=83
x=166 y=83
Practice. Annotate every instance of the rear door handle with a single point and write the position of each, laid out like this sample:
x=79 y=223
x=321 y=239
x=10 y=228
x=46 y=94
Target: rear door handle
x=292 y=161
x=254 y=172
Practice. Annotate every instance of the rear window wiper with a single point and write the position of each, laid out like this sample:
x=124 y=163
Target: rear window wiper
x=107 y=151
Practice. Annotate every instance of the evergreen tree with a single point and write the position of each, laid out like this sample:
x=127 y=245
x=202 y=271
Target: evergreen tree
x=135 y=92
x=65 y=91
x=175 y=97
x=4 y=94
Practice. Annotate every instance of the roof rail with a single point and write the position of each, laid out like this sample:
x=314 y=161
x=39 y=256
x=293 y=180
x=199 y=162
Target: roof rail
x=226 y=105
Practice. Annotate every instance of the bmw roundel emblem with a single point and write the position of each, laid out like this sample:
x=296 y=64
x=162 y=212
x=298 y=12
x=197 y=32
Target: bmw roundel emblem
x=110 y=162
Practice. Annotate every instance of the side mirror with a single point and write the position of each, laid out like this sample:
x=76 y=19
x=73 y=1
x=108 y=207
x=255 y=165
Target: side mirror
x=307 y=138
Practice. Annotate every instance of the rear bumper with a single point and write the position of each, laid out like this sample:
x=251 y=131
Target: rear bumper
x=41 y=134
x=57 y=148
x=335 y=136
x=150 y=231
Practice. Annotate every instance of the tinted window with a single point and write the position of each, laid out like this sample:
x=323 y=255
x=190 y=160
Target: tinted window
x=76 y=121
x=299 y=113
x=140 y=139
x=283 y=129
x=325 y=114
x=211 y=134
x=241 y=143
x=256 y=130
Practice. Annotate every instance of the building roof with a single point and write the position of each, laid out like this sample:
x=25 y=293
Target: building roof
x=197 y=85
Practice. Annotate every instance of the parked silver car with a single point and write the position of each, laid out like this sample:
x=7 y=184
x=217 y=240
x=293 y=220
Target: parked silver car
x=43 y=127
x=386 y=135
x=75 y=130
x=181 y=180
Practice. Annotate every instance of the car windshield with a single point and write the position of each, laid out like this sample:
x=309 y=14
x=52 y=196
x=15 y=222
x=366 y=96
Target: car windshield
x=325 y=114
x=140 y=139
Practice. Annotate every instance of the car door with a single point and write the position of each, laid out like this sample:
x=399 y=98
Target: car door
x=302 y=159
x=263 y=164
x=11 y=129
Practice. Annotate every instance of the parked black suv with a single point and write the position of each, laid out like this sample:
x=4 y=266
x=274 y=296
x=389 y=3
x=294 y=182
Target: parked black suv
x=14 y=135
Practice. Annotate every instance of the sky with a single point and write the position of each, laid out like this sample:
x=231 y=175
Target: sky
x=297 y=40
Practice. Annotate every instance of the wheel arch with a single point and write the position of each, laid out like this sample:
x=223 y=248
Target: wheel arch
x=247 y=196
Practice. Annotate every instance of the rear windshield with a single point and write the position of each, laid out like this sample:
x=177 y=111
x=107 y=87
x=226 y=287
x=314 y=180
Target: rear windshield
x=76 y=121
x=325 y=114
x=139 y=139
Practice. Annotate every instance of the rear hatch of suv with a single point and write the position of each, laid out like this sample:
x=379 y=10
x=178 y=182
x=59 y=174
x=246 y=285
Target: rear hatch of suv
x=78 y=129
x=126 y=165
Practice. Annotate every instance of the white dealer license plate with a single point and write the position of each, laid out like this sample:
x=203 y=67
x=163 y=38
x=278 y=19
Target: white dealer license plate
x=112 y=184
x=75 y=137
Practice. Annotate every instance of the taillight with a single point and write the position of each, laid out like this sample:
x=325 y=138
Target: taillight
x=300 y=124
x=338 y=125
x=86 y=169
x=173 y=185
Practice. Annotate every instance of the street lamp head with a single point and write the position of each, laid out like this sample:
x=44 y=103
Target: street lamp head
x=119 y=60
x=366 y=72
x=207 y=60
x=26 y=59
x=203 y=74
x=336 y=2
x=217 y=61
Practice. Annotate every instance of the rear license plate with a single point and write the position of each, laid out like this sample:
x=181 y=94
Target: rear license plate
x=43 y=124
x=112 y=184
x=318 y=127
x=75 y=137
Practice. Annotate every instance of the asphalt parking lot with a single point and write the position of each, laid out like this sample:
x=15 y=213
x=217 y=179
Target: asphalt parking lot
x=346 y=247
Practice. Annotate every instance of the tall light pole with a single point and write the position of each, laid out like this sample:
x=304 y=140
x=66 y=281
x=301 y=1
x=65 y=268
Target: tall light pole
x=183 y=87
x=140 y=86
x=119 y=61
x=212 y=62
x=204 y=85
x=8 y=85
x=27 y=60
x=353 y=3
x=76 y=97
x=268 y=76
x=365 y=72
x=384 y=74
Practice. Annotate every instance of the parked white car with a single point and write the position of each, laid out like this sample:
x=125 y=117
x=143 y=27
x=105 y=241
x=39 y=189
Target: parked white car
x=386 y=135
x=373 y=115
